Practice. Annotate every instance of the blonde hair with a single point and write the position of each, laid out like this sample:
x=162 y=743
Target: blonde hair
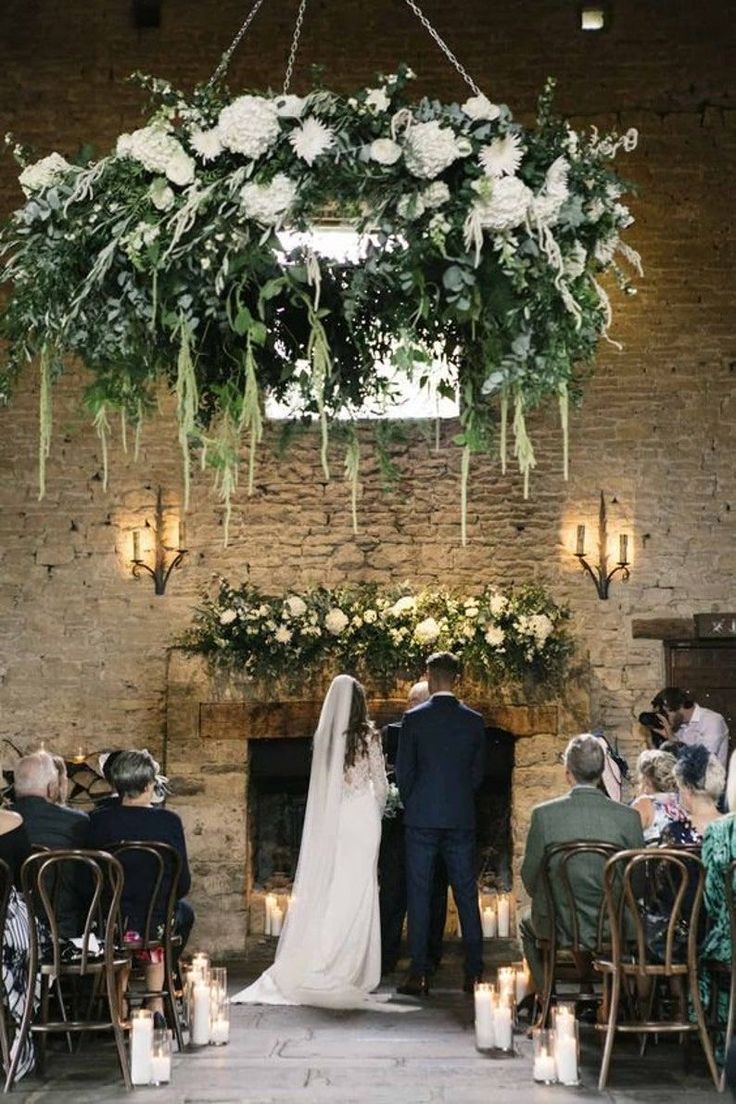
x=658 y=769
x=731 y=784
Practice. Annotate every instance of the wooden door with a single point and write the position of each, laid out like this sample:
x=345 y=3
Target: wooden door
x=707 y=668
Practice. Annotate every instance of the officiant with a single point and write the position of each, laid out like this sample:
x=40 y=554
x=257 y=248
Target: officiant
x=392 y=865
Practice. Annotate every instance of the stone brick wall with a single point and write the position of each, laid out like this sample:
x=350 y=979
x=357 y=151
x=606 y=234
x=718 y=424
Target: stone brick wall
x=83 y=646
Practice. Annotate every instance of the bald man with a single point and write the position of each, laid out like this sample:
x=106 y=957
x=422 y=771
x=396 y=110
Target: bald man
x=392 y=866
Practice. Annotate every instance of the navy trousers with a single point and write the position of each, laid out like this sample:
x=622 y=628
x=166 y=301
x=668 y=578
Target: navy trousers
x=392 y=898
x=457 y=847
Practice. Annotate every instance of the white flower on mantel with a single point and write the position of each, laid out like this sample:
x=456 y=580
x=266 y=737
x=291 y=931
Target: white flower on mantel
x=249 y=125
x=336 y=621
x=385 y=151
x=480 y=108
x=282 y=635
x=297 y=606
x=407 y=604
x=435 y=194
x=206 y=144
x=431 y=148
x=427 y=631
x=502 y=157
x=289 y=106
x=494 y=636
x=370 y=616
x=377 y=100
x=227 y=616
x=541 y=627
x=268 y=203
x=498 y=604
x=42 y=174
x=311 y=139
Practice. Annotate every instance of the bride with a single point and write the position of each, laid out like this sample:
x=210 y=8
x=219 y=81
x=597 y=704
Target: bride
x=329 y=953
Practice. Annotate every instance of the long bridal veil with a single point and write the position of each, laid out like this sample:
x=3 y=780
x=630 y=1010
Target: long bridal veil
x=310 y=964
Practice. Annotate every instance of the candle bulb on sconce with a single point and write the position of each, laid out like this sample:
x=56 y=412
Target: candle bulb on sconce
x=599 y=572
x=160 y=572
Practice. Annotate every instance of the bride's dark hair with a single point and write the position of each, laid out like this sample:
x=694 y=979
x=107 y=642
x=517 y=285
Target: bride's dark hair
x=358 y=732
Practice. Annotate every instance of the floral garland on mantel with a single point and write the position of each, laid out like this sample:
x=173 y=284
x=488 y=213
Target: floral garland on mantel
x=483 y=245
x=381 y=634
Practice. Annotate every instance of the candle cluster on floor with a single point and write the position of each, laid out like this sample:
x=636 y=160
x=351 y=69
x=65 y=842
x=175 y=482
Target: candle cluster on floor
x=206 y=1004
x=277 y=906
x=150 y=1050
x=556 y=1050
x=495 y=915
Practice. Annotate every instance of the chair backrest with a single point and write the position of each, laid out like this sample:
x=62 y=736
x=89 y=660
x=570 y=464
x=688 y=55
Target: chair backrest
x=572 y=876
x=653 y=899
x=40 y=877
x=6 y=887
x=729 y=875
x=160 y=865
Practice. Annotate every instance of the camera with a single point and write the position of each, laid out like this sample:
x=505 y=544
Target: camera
x=651 y=720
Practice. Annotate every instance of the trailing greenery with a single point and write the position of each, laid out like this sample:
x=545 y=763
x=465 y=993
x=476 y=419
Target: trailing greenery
x=380 y=634
x=482 y=245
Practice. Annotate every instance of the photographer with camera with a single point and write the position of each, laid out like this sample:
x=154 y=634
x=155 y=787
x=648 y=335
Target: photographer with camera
x=677 y=717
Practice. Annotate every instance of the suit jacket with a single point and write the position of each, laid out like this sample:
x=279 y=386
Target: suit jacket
x=61 y=829
x=440 y=763
x=585 y=813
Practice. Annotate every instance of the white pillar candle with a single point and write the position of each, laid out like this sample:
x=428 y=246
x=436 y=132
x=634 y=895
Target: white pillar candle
x=160 y=1069
x=488 y=921
x=523 y=982
x=545 y=1068
x=503 y=1025
x=141 y=1046
x=566 y=1058
x=484 y=1034
x=277 y=920
x=270 y=906
x=200 y=1025
x=220 y=1031
x=504 y=916
x=506 y=983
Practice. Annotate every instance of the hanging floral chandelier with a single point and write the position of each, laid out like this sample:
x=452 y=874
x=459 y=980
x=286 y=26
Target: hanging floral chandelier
x=165 y=261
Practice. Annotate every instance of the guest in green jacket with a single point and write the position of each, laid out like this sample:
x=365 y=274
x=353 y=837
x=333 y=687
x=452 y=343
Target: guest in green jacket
x=583 y=814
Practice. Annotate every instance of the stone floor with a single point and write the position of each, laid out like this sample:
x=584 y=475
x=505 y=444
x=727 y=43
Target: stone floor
x=307 y=1056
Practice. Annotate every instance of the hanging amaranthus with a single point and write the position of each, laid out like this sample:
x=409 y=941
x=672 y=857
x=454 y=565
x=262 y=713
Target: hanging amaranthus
x=45 y=419
x=352 y=471
x=187 y=401
x=250 y=415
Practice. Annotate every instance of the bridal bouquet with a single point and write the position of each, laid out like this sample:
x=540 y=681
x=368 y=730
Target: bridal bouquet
x=381 y=634
x=394 y=804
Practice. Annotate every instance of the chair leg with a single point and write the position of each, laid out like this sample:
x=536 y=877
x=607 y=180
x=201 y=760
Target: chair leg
x=546 y=1001
x=113 y=1000
x=610 y=1030
x=43 y=1037
x=21 y=1034
x=4 y=1041
x=729 y=1023
x=703 y=1027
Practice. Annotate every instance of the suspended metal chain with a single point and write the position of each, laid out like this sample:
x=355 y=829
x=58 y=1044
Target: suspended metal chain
x=443 y=46
x=294 y=46
x=225 y=59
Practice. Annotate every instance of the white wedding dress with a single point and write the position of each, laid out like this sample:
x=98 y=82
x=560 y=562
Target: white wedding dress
x=329 y=953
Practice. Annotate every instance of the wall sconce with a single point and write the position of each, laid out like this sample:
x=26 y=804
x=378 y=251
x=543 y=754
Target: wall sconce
x=599 y=572
x=594 y=17
x=160 y=571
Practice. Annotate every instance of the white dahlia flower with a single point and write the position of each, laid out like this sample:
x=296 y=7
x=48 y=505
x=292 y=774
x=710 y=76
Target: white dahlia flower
x=297 y=606
x=311 y=139
x=502 y=157
x=494 y=636
x=431 y=148
x=268 y=203
x=336 y=621
x=282 y=635
x=480 y=108
x=427 y=631
x=42 y=174
x=385 y=151
x=249 y=125
x=206 y=144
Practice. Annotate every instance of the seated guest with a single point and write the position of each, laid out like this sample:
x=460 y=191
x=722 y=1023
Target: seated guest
x=134 y=776
x=657 y=803
x=700 y=780
x=583 y=814
x=15 y=847
x=52 y=825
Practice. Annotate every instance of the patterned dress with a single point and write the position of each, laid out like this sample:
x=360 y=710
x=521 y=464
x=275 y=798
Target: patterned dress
x=719 y=849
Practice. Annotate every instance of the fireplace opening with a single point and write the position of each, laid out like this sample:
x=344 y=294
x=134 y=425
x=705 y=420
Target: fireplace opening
x=278 y=784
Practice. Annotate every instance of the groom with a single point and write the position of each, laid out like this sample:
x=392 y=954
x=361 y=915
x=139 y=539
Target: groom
x=439 y=767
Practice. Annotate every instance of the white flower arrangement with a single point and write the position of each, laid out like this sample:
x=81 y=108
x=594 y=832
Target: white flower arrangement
x=310 y=140
x=249 y=126
x=502 y=157
x=44 y=173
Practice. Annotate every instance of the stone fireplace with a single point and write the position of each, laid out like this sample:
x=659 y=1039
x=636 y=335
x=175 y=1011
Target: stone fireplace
x=239 y=767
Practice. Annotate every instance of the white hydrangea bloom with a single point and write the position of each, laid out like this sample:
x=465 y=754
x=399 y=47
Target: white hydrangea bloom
x=431 y=148
x=336 y=621
x=377 y=100
x=161 y=195
x=268 y=203
x=227 y=616
x=504 y=206
x=480 y=108
x=498 y=604
x=206 y=143
x=311 y=139
x=503 y=156
x=435 y=194
x=541 y=627
x=426 y=631
x=297 y=606
x=249 y=125
x=407 y=604
x=152 y=146
x=289 y=106
x=180 y=169
x=494 y=636
x=42 y=174
x=385 y=151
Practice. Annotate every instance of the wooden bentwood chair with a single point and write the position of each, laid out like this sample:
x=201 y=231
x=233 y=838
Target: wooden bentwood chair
x=637 y=884
x=39 y=880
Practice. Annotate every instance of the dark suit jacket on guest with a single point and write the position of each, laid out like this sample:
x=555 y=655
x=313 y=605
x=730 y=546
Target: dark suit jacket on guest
x=440 y=763
x=585 y=813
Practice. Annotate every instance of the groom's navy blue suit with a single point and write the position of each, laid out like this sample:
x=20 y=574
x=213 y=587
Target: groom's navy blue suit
x=438 y=769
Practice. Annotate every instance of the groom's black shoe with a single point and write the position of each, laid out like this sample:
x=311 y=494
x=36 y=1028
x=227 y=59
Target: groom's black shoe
x=470 y=982
x=414 y=985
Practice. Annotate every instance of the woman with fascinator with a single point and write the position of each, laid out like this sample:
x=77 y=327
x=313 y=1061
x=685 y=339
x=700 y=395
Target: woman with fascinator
x=700 y=781
x=329 y=953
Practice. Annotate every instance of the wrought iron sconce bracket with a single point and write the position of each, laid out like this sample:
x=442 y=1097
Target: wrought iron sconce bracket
x=599 y=572
x=161 y=571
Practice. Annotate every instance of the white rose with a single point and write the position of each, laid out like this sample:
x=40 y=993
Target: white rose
x=498 y=604
x=336 y=621
x=370 y=616
x=227 y=616
x=385 y=151
x=407 y=604
x=289 y=106
x=494 y=636
x=249 y=125
x=427 y=631
x=282 y=635
x=297 y=607
x=377 y=100
x=480 y=107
